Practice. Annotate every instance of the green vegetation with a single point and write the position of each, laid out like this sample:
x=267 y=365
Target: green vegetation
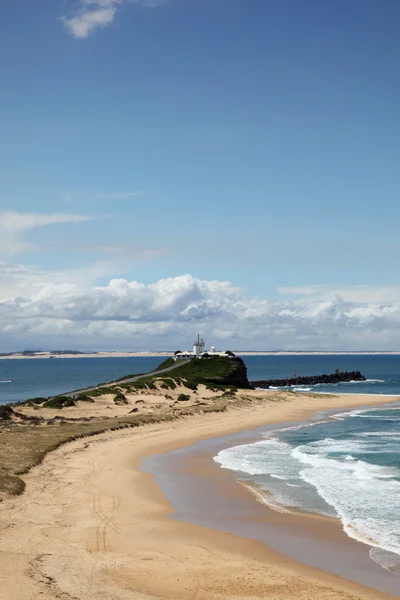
x=143 y=384
x=6 y=413
x=59 y=402
x=183 y=397
x=101 y=391
x=35 y=401
x=169 y=362
x=120 y=399
x=189 y=384
x=85 y=398
x=217 y=372
x=168 y=384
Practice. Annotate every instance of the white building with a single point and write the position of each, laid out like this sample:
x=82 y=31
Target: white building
x=199 y=351
x=198 y=346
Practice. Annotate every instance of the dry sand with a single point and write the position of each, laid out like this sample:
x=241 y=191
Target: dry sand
x=92 y=525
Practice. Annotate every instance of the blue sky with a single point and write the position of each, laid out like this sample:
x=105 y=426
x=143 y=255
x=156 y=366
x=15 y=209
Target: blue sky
x=255 y=143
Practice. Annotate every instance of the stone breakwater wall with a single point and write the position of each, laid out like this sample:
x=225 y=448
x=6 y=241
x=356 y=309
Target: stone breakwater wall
x=336 y=377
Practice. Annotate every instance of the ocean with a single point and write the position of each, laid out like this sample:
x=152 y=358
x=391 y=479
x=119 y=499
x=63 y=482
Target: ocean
x=347 y=466
x=21 y=379
x=25 y=378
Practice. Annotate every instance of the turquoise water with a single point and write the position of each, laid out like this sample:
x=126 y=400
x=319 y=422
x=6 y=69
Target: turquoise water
x=347 y=466
x=27 y=378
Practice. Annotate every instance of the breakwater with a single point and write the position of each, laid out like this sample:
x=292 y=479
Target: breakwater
x=336 y=377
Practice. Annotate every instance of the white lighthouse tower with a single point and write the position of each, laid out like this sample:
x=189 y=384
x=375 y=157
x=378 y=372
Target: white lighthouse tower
x=198 y=346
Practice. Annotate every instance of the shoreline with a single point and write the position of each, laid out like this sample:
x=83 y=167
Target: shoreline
x=324 y=542
x=100 y=526
x=162 y=353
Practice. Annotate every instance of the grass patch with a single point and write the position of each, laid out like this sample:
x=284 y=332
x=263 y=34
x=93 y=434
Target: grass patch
x=120 y=399
x=190 y=385
x=85 y=398
x=35 y=401
x=168 y=384
x=183 y=397
x=169 y=362
x=59 y=402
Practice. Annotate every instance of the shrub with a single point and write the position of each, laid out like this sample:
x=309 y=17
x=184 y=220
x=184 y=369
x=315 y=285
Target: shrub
x=6 y=413
x=85 y=398
x=120 y=399
x=167 y=384
x=59 y=402
x=190 y=385
x=183 y=397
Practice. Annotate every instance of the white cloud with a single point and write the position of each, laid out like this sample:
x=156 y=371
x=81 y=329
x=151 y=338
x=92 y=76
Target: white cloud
x=13 y=225
x=161 y=314
x=84 y=23
x=93 y=14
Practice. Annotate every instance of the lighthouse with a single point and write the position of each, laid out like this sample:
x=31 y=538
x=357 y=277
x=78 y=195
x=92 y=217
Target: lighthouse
x=198 y=346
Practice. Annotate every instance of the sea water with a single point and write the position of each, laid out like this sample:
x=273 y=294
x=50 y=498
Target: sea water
x=346 y=466
x=21 y=379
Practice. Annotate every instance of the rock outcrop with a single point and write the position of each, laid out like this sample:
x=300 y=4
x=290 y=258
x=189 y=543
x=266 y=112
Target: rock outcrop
x=236 y=373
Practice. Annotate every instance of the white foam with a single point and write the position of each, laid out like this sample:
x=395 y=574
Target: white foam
x=273 y=460
x=379 y=434
x=366 y=412
x=365 y=496
x=6 y=381
x=388 y=560
x=268 y=457
x=267 y=499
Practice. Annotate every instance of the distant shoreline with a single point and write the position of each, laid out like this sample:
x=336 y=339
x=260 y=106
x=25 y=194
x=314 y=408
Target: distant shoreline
x=148 y=354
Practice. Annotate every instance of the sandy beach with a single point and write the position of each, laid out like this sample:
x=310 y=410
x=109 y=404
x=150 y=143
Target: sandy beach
x=92 y=524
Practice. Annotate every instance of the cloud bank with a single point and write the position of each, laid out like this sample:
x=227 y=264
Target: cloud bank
x=167 y=313
x=94 y=14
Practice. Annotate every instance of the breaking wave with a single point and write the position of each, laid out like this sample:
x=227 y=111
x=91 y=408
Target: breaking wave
x=352 y=474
